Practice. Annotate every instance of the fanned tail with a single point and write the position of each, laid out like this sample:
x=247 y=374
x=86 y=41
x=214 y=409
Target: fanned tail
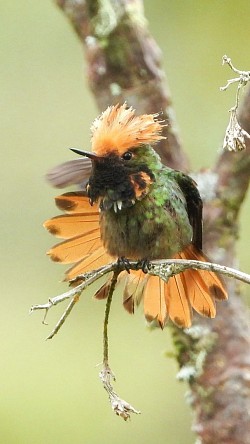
x=82 y=246
x=176 y=299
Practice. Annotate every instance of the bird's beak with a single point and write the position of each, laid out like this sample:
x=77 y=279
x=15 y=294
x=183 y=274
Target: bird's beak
x=88 y=154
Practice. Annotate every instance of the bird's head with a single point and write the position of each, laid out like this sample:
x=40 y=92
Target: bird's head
x=123 y=161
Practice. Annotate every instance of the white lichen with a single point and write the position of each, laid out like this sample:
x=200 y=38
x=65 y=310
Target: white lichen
x=115 y=89
x=186 y=373
x=235 y=135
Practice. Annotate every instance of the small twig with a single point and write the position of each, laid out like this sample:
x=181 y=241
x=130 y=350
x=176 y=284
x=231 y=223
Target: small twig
x=106 y=318
x=87 y=278
x=56 y=300
x=242 y=80
x=119 y=406
x=235 y=135
x=62 y=319
x=74 y=293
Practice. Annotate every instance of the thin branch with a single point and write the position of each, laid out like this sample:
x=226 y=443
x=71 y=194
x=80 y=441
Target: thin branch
x=66 y=313
x=175 y=266
x=162 y=268
x=74 y=293
x=106 y=318
x=120 y=407
x=88 y=279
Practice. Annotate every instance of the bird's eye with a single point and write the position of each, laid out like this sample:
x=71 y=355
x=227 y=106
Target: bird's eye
x=127 y=156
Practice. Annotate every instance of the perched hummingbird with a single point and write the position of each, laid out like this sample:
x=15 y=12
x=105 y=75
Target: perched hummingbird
x=136 y=208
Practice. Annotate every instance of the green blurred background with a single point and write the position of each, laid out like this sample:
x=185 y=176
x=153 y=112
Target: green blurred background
x=50 y=391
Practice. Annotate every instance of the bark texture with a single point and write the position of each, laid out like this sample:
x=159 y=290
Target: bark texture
x=124 y=65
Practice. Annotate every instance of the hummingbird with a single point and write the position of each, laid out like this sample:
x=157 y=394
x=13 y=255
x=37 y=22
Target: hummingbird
x=132 y=206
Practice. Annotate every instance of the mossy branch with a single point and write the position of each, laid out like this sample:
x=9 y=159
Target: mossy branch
x=124 y=63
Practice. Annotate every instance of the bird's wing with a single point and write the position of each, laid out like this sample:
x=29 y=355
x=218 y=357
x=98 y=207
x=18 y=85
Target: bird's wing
x=73 y=172
x=194 y=205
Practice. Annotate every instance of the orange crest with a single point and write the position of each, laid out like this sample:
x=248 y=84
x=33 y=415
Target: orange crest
x=118 y=129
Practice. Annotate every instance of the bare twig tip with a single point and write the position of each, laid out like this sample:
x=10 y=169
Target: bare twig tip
x=120 y=407
x=235 y=135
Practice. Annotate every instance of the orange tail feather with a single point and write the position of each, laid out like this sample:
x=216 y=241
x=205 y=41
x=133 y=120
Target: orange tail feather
x=83 y=246
x=103 y=291
x=209 y=281
x=135 y=283
x=69 y=226
x=197 y=288
x=154 y=301
x=76 y=202
x=76 y=248
x=191 y=289
x=95 y=260
x=177 y=302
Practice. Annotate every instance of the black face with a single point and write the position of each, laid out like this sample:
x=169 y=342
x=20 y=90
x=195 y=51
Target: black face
x=113 y=179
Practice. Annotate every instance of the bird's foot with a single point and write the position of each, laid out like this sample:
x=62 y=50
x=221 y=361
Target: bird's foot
x=124 y=262
x=144 y=265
